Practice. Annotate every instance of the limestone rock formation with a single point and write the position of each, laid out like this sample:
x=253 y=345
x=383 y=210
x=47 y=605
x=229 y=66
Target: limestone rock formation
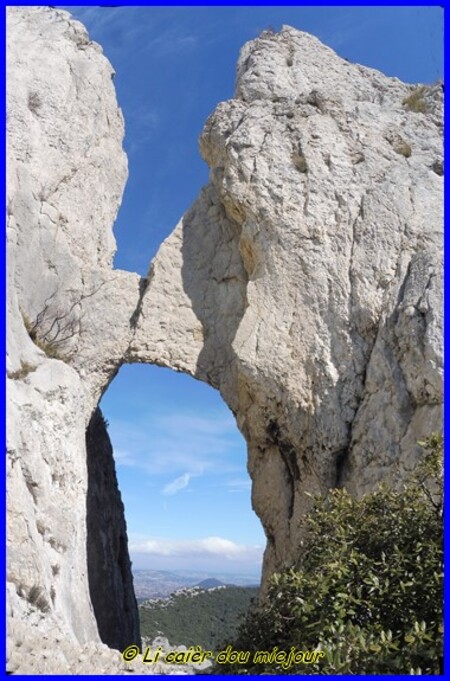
x=304 y=284
x=64 y=127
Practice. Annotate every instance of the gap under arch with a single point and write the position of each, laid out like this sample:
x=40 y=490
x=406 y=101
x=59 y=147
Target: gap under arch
x=179 y=464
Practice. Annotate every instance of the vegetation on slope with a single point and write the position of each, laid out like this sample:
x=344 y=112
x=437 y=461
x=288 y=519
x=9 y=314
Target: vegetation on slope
x=368 y=590
x=202 y=617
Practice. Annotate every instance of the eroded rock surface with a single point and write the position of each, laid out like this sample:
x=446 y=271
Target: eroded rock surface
x=304 y=284
x=64 y=129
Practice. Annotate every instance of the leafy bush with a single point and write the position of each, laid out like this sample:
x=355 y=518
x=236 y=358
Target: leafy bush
x=368 y=590
x=416 y=101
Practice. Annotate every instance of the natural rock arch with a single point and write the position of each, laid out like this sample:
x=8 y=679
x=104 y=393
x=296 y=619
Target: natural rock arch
x=304 y=284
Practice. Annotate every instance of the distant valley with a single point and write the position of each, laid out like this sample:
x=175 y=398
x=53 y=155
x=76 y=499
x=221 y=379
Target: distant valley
x=207 y=614
x=162 y=583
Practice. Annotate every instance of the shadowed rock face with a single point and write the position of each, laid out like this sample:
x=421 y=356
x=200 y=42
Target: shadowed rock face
x=304 y=283
x=109 y=568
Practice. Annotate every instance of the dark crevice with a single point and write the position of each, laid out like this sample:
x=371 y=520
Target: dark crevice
x=289 y=457
x=143 y=286
x=109 y=566
x=340 y=458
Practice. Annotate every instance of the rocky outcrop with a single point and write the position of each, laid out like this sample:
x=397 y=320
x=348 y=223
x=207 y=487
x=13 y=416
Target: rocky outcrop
x=304 y=284
x=64 y=128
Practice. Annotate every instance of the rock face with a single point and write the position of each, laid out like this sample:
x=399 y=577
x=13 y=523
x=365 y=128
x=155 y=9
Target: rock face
x=64 y=127
x=304 y=284
x=305 y=281
x=109 y=568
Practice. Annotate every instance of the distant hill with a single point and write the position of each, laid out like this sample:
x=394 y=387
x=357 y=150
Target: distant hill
x=161 y=583
x=197 y=616
x=210 y=583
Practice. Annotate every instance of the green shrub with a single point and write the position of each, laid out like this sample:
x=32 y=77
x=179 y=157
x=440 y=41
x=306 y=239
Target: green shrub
x=368 y=590
x=415 y=101
x=403 y=148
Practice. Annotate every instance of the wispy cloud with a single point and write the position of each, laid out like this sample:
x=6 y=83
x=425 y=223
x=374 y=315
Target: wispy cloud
x=138 y=28
x=171 y=41
x=124 y=457
x=177 y=485
x=95 y=18
x=208 y=547
x=177 y=443
x=239 y=484
x=342 y=28
x=141 y=124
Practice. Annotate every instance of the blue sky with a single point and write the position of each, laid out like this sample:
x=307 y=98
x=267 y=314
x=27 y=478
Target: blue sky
x=181 y=462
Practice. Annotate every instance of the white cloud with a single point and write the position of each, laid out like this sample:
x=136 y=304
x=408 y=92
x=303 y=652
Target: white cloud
x=184 y=549
x=177 y=485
